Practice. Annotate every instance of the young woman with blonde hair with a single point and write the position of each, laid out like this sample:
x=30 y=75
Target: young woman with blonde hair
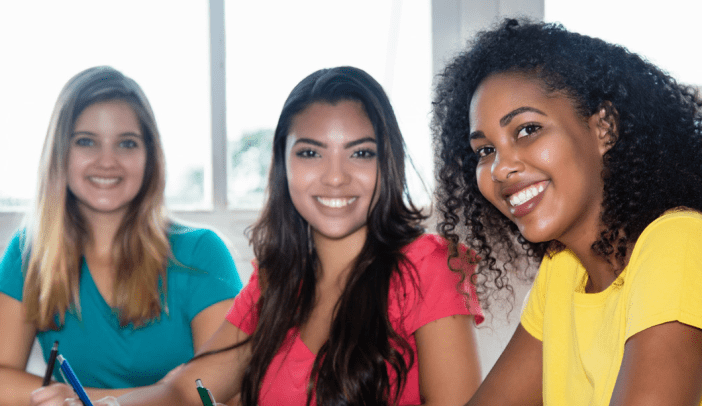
x=99 y=266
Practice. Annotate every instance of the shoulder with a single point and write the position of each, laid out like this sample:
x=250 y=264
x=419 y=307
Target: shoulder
x=15 y=249
x=672 y=228
x=201 y=249
x=674 y=240
x=671 y=240
x=662 y=280
x=11 y=266
x=193 y=243
x=187 y=236
x=426 y=247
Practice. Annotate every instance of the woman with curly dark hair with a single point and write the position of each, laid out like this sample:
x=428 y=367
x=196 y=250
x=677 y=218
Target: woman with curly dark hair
x=350 y=302
x=582 y=156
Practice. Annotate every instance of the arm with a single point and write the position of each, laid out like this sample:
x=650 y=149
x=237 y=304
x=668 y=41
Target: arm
x=662 y=365
x=516 y=378
x=16 y=339
x=449 y=369
x=204 y=325
x=221 y=373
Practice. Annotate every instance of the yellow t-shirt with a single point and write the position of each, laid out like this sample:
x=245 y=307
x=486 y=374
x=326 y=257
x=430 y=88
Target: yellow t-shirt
x=584 y=334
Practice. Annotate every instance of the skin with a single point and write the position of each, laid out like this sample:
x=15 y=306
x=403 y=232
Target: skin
x=331 y=154
x=523 y=136
x=106 y=159
x=107 y=143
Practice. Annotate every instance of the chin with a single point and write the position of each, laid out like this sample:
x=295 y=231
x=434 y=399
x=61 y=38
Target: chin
x=535 y=236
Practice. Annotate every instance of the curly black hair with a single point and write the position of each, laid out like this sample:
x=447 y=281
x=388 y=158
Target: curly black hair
x=655 y=163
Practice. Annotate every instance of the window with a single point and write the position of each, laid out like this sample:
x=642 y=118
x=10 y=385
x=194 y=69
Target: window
x=165 y=47
x=272 y=46
x=161 y=44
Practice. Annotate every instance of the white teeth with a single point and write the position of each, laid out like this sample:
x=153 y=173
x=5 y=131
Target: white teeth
x=104 y=181
x=525 y=195
x=335 y=203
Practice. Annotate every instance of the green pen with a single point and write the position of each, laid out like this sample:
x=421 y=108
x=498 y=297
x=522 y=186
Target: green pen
x=205 y=394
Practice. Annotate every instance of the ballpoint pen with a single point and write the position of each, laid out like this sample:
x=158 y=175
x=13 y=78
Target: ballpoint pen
x=50 y=364
x=72 y=380
x=205 y=394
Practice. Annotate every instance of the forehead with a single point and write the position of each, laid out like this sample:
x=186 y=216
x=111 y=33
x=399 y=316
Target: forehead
x=110 y=111
x=507 y=91
x=340 y=122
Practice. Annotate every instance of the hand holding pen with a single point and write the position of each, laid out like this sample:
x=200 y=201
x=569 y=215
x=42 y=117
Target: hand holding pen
x=70 y=377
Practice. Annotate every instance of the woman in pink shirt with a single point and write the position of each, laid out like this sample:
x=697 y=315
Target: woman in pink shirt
x=350 y=302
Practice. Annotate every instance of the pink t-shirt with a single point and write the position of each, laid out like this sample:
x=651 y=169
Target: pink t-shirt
x=288 y=375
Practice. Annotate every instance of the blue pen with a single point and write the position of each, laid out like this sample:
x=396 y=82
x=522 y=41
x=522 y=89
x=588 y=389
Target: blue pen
x=72 y=380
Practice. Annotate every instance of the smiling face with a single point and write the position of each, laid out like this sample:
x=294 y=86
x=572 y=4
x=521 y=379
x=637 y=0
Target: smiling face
x=106 y=158
x=332 y=168
x=540 y=163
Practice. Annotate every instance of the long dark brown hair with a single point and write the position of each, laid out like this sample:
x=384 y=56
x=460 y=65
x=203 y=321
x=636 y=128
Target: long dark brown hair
x=351 y=367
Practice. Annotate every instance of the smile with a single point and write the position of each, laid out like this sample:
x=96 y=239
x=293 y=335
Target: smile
x=335 y=203
x=103 y=181
x=527 y=194
x=526 y=200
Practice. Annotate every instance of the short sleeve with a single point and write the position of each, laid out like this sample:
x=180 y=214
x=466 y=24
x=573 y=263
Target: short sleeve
x=533 y=309
x=438 y=295
x=212 y=276
x=243 y=314
x=11 y=276
x=664 y=275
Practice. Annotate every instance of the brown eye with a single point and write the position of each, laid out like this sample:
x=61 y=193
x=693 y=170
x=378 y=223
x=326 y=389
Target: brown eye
x=364 y=154
x=484 y=151
x=306 y=153
x=528 y=130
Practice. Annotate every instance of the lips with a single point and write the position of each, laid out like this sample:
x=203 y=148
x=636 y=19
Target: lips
x=523 y=201
x=104 y=181
x=335 y=203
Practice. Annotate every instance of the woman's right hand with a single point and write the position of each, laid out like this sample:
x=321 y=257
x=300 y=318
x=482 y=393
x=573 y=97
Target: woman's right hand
x=106 y=401
x=53 y=395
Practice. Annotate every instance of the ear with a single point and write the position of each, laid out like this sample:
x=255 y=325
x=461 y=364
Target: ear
x=605 y=123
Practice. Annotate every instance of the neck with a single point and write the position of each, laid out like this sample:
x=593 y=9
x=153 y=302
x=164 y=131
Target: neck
x=602 y=271
x=103 y=229
x=336 y=256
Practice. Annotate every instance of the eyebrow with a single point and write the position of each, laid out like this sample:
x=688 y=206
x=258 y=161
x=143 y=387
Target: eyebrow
x=127 y=134
x=504 y=121
x=349 y=144
x=509 y=116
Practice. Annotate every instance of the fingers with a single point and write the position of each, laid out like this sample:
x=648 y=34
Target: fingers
x=106 y=401
x=53 y=395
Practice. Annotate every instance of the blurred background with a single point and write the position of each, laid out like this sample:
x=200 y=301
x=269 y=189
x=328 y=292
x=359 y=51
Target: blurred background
x=217 y=73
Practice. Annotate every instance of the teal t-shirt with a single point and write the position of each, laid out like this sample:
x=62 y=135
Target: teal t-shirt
x=102 y=354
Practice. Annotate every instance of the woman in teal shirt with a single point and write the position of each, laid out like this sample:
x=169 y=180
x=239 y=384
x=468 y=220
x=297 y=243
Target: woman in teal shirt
x=99 y=266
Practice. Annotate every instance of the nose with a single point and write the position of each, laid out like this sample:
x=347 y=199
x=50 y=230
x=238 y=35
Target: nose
x=336 y=172
x=505 y=164
x=107 y=157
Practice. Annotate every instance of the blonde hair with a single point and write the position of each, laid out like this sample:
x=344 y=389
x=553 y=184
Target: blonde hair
x=57 y=233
